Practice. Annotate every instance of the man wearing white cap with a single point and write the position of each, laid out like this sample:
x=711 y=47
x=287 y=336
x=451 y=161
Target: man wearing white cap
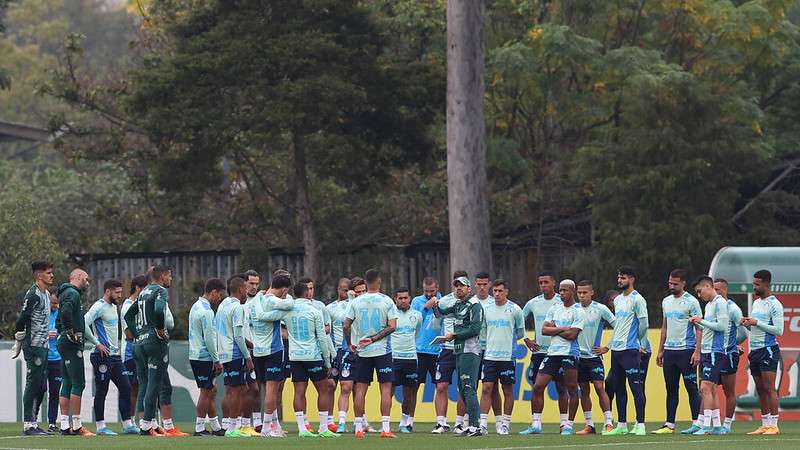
x=563 y=323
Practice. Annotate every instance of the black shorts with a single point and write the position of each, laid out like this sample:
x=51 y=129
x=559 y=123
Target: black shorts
x=303 y=371
x=203 y=373
x=505 y=371
x=764 y=360
x=557 y=364
x=382 y=365
x=536 y=363
x=590 y=369
x=426 y=365
x=711 y=367
x=269 y=368
x=130 y=371
x=731 y=363
x=287 y=365
x=235 y=373
x=406 y=372
x=445 y=367
x=346 y=365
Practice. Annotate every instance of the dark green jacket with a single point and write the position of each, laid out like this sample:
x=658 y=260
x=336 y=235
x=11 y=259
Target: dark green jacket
x=35 y=317
x=468 y=315
x=70 y=312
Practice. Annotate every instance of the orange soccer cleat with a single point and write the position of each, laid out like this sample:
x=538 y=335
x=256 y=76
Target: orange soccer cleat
x=588 y=429
x=309 y=428
x=359 y=435
x=82 y=431
x=771 y=431
x=332 y=427
x=174 y=432
x=609 y=428
x=759 y=430
x=388 y=434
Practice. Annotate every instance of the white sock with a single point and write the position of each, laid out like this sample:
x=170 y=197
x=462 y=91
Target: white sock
x=669 y=425
x=144 y=425
x=168 y=425
x=305 y=418
x=441 y=420
x=214 y=421
x=715 y=418
x=506 y=419
x=728 y=422
x=256 y=417
x=706 y=418
x=237 y=422
x=342 y=417
x=537 y=420
x=276 y=421
x=587 y=417
x=484 y=420
x=245 y=421
x=76 y=422
x=639 y=424
x=700 y=418
x=466 y=420
x=127 y=423
x=403 y=419
x=608 y=418
x=226 y=423
x=64 y=419
x=622 y=425
x=568 y=423
x=323 y=421
x=101 y=424
x=410 y=421
x=359 y=421
x=385 y=424
x=301 y=423
x=200 y=424
x=774 y=420
x=366 y=424
x=563 y=418
x=765 y=420
x=459 y=420
x=267 y=424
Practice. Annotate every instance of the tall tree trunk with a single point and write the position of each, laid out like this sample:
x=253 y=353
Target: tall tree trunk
x=303 y=204
x=467 y=196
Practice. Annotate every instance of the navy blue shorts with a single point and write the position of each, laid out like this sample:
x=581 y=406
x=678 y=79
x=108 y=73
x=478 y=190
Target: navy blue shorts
x=130 y=371
x=445 y=367
x=336 y=364
x=764 y=360
x=406 y=372
x=711 y=365
x=308 y=370
x=203 y=373
x=731 y=363
x=536 y=363
x=269 y=368
x=557 y=364
x=591 y=369
x=346 y=365
x=235 y=372
x=426 y=366
x=287 y=365
x=382 y=365
x=505 y=371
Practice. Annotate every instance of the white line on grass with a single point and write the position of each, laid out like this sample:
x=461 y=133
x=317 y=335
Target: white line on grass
x=620 y=444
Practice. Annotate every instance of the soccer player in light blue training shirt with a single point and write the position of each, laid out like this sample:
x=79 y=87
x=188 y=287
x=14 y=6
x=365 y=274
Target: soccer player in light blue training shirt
x=370 y=321
x=203 y=356
x=326 y=317
x=538 y=307
x=563 y=324
x=310 y=356
x=590 y=364
x=715 y=326
x=766 y=324
x=404 y=355
x=679 y=350
x=737 y=333
x=503 y=326
x=102 y=321
x=630 y=311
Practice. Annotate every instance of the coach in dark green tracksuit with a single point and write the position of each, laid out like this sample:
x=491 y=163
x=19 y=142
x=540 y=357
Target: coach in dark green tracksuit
x=468 y=315
x=31 y=330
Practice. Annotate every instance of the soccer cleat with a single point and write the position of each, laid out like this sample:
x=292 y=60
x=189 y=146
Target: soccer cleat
x=34 y=432
x=369 y=429
x=105 y=431
x=67 y=432
x=588 y=429
x=249 y=432
x=663 y=430
x=258 y=428
x=359 y=435
x=160 y=431
x=342 y=428
x=503 y=431
x=608 y=428
x=333 y=428
x=691 y=430
x=484 y=430
x=477 y=432
x=220 y=432
x=404 y=429
x=175 y=432
x=458 y=429
x=618 y=431
x=204 y=433
x=724 y=430
x=388 y=435
x=234 y=434
x=759 y=430
x=566 y=431
x=639 y=430
x=309 y=428
x=531 y=430
x=273 y=434
x=53 y=428
x=82 y=431
x=328 y=434
x=440 y=429
x=718 y=430
x=771 y=431
x=704 y=431
x=133 y=429
x=151 y=432
x=307 y=434
x=46 y=432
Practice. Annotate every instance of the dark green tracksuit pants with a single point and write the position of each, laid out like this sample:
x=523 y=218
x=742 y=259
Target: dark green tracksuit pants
x=468 y=365
x=153 y=359
x=35 y=381
x=73 y=379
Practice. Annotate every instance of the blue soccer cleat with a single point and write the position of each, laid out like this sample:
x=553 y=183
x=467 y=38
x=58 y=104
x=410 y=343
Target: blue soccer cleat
x=531 y=430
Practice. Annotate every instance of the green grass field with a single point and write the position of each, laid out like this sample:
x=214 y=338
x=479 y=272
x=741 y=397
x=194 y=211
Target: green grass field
x=421 y=439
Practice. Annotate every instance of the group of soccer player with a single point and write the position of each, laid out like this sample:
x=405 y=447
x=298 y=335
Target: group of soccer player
x=258 y=338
